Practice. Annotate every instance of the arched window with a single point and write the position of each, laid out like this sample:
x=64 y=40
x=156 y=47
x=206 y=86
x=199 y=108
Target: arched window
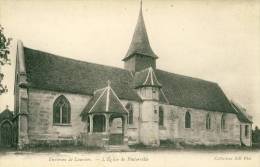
x=187 y=120
x=129 y=108
x=88 y=124
x=208 y=122
x=61 y=110
x=161 y=116
x=246 y=130
x=223 y=121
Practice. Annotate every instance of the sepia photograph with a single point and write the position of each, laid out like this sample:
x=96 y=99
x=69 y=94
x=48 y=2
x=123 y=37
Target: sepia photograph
x=130 y=82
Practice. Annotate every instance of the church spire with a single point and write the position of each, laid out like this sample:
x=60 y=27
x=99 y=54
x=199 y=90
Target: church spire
x=141 y=7
x=140 y=42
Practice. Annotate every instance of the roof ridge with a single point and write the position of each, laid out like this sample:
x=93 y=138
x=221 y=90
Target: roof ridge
x=238 y=110
x=237 y=104
x=155 y=77
x=101 y=95
x=148 y=74
x=107 y=98
x=107 y=95
x=149 y=79
x=164 y=96
x=98 y=90
x=114 y=93
x=75 y=60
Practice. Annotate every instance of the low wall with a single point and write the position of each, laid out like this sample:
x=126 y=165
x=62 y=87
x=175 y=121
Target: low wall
x=94 y=139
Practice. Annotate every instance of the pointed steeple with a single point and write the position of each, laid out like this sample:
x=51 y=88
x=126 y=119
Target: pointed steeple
x=140 y=42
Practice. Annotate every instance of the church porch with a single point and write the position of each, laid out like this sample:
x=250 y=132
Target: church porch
x=106 y=121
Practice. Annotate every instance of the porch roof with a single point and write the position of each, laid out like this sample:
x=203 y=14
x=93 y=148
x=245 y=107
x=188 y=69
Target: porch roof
x=104 y=100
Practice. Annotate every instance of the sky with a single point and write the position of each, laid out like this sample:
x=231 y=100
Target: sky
x=217 y=41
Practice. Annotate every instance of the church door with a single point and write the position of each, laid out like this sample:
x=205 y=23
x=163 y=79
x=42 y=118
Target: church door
x=6 y=134
x=116 y=131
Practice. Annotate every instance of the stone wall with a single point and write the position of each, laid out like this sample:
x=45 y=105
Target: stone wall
x=40 y=119
x=149 y=125
x=169 y=130
x=133 y=129
x=174 y=127
x=41 y=128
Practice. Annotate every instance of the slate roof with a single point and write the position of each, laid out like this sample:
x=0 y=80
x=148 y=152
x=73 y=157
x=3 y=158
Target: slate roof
x=193 y=93
x=50 y=72
x=104 y=100
x=146 y=78
x=140 y=43
x=241 y=113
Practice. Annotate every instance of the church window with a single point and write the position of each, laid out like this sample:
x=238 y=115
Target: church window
x=161 y=116
x=129 y=108
x=223 y=122
x=208 y=122
x=246 y=130
x=187 y=120
x=61 y=111
x=88 y=124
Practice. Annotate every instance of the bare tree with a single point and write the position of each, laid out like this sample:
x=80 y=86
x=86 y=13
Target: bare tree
x=4 y=52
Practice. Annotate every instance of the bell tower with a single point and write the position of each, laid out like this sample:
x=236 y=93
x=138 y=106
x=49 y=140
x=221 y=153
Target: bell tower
x=140 y=54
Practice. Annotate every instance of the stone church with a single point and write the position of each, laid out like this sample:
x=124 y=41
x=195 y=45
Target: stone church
x=61 y=100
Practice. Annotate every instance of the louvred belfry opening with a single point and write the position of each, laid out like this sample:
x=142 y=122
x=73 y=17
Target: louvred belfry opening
x=140 y=54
